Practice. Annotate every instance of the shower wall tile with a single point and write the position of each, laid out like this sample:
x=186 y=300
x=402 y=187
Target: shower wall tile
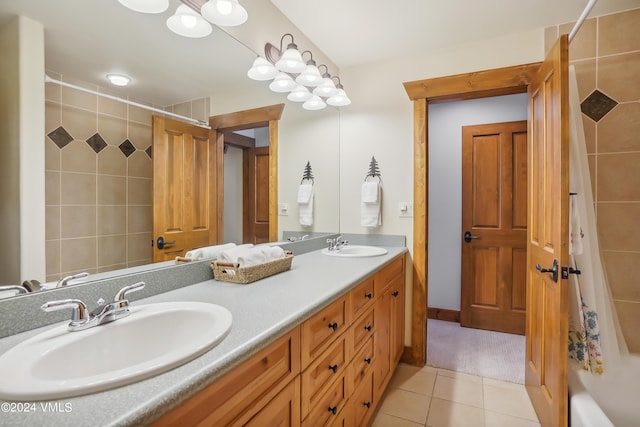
x=52 y=116
x=589 y=127
x=586 y=76
x=140 y=115
x=591 y=159
x=52 y=156
x=81 y=124
x=184 y=109
x=619 y=177
x=109 y=106
x=52 y=248
x=112 y=129
x=139 y=165
x=140 y=135
x=623 y=270
x=619 y=33
x=77 y=221
x=112 y=220
x=140 y=219
x=78 y=188
x=52 y=222
x=629 y=318
x=80 y=99
x=139 y=245
x=584 y=43
x=112 y=190
x=78 y=255
x=112 y=162
x=550 y=37
x=140 y=191
x=617 y=225
x=52 y=187
x=619 y=130
x=78 y=157
x=112 y=250
x=618 y=76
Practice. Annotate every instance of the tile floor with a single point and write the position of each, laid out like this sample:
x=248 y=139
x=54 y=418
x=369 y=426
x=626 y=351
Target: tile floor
x=435 y=397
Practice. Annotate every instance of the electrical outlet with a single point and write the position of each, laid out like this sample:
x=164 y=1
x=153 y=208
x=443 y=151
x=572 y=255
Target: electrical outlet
x=406 y=209
x=283 y=209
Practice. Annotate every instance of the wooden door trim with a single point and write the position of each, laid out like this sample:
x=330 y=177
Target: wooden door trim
x=481 y=84
x=257 y=117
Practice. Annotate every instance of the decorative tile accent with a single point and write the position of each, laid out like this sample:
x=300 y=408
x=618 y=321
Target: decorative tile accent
x=149 y=151
x=127 y=148
x=96 y=143
x=60 y=137
x=597 y=105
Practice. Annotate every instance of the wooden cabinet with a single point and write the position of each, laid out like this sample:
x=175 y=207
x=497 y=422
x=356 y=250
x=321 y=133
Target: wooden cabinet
x=329 y=371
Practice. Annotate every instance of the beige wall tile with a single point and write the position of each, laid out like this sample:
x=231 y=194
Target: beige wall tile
x=583 y=44
x=112 y=250
x=111 y=161
x=139 y=165
x=140 y=135
x=140 y=115
x=140 y=191
x=52 y=155
x=591 y=159
x=77 y=221
x=52 y=92
x=78 y=255
x=112 y=190
x=52 y=254
x=619 y=130
x=78 y=156
x=111 y=107
x=589 y=127
x=113 y=267
x=80 y=124
x=80 y=99
x=139 y=247
x=586 y=77
x=619 y=33
x=52 y=222
x=618 y=226
x=112 y=129
x=443 y=413
x=629 y=318
x=78 y=188
x=52 y=116
x=623 y=270
x=619 y=177
x=506 y=400
x=138 y=262
x=112 y=219
x=550 y=37
x=405 y=404
x=618 y=76
x=458 y=390
x=140 y=219
x=52 y=188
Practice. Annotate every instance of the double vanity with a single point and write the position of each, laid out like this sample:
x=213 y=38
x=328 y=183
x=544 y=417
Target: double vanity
x=315 y=345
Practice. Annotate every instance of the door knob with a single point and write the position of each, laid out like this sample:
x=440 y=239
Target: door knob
x=468 y=236
x=553 y=270
x=161 y=244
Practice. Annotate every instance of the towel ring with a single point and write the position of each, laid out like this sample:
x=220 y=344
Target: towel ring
x=307 y=179
x=373 y=176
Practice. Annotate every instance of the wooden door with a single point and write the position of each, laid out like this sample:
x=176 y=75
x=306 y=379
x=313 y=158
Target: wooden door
x=494 y=226
x=184 y=208
x=547 y=238
x=255 y=224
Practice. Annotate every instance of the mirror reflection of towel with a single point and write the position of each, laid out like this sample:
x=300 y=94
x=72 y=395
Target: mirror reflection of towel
x=370 y=216
x=305 y=204
x=208 y=251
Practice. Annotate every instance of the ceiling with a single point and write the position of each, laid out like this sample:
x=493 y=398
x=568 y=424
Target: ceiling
x=356 y=32
x=90 y=38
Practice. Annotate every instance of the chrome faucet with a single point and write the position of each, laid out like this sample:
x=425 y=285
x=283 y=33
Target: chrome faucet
x=65 y=280
x=297 y=239
x=82 y=319
x=337 y=243
x=17 y=288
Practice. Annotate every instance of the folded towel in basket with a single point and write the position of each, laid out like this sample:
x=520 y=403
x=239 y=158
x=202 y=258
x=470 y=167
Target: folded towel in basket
x=208 y=251
x=244 y=256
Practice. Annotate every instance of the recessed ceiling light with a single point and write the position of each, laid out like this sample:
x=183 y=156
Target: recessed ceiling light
x=119 y=79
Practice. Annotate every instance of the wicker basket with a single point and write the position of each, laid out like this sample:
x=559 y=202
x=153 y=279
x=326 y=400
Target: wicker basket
x=228 y=272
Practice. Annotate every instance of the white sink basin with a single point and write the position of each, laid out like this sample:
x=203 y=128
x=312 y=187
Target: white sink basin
x=355 y=251
x=153 y=339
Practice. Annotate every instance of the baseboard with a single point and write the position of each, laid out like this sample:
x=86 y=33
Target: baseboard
x=443 y=314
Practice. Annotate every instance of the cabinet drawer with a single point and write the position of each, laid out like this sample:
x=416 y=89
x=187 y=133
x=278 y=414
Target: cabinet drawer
x=385 y=276
x=331 y=364
x=362 y=363
x=243 y=390
x=362 y=296
x=283 y=410
x=362 y=328
x=329 y=405
x=320 y=330
x=362 y=405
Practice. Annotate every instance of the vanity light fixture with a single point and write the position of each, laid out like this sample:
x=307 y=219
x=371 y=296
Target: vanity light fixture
x=146 y=6
x=226 y=13
x=119 y=79
x=188 y=23
x=306 y=84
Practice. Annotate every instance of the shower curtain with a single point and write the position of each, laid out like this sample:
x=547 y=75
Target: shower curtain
x=593 y=338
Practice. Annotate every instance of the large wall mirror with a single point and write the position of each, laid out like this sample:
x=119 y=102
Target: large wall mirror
x=98 y=151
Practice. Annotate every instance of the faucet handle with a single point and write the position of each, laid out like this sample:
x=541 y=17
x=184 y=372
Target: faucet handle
x=121 y=295
x=79 y=315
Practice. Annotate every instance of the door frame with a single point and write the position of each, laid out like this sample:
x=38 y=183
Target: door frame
x=481 y=84
x=248 y=119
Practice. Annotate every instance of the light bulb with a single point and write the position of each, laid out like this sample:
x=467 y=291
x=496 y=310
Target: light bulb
x=225 y=7
x=188 y=21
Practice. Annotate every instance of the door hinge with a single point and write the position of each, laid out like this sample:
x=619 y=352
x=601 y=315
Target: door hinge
x=566 y=271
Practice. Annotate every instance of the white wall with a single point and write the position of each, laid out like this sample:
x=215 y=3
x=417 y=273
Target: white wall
x=445 y=185
x=21 y=154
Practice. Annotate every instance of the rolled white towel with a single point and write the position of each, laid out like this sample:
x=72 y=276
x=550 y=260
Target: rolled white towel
x=208 y=251
x=272 y=253
x=244 y=255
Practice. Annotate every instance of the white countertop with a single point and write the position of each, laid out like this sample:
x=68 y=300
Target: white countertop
x=262 y=311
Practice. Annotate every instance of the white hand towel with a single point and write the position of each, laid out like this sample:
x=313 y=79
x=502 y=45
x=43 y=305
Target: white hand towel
x=208 y=251
x=252 y=256
x=231 y=255
x=370 y=192
x=305 y=192
x=272 y=253
x=305 y=209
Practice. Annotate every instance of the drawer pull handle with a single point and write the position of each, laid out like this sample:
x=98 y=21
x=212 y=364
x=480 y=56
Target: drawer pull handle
x=368 y=360
x=333 y=409
x=368 y=328
x=395 y=293
x=367 y=404
x=333 y=368
x=333 y=325
x=368 y=295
